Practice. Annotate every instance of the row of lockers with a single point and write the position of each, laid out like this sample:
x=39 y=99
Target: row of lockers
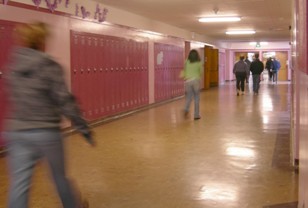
x=109 y=74
x=112 y=53
x=168 y=65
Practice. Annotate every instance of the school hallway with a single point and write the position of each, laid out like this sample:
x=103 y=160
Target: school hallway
x=236 y=156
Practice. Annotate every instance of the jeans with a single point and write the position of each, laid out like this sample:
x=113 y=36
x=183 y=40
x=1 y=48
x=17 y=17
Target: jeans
x=25 y=148
x=192 y=88
x=275 y=76
x=256 y=82
x=240 y=81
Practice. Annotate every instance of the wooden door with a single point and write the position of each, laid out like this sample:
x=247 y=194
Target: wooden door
x=207 y=66
x=214 y=73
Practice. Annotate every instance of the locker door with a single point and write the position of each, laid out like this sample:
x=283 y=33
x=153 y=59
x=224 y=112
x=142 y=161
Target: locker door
x=95 y=78
x=102 y=81
x=6 y=43
x=82 y=81
x=107 y=75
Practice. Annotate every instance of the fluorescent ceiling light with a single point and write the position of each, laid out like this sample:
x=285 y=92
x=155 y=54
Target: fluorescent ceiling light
x=240 y=32
x=219 y=19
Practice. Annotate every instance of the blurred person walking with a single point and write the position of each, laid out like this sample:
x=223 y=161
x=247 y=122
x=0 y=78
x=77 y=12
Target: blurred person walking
x=192 y=75
x=276 y=68
x=256 y=69
x=269 y=67
x=38 y=97
x=248 y=62
x=240 y=69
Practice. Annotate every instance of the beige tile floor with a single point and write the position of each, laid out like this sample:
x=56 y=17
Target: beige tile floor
x=236 y=156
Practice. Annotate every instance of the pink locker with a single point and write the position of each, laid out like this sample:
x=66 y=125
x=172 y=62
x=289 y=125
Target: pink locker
x=145 y=78
x=75 y=41
x=96 y=81
x=107 y=75
x=6 y=43
x=112 y=83
x=117 y=80
x=138 y=73
x=101 y=76
x=130 y=74
x=155 y=72
x=134 y=73
x=122 y=84
x=88 y=77
x=83 y=85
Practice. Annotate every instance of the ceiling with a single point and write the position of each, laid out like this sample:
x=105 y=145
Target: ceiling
x=269 y=18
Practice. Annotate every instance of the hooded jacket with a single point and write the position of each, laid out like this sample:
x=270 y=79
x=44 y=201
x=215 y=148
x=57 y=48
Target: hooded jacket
x=38 y=95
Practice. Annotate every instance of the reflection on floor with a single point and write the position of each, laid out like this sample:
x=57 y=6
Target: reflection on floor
x=235 y=156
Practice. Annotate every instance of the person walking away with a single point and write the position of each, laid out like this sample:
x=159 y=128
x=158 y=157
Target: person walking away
x=276 y=67
x=240 y=71
x=192 y=75
x=269 y=67
x=256 y=69
x=248 y=62
x=38 y=97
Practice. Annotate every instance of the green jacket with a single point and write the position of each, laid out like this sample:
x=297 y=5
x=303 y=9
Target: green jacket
x=192 y=71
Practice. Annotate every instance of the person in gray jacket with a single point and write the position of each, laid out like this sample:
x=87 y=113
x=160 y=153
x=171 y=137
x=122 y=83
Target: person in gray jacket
x=38 y=98
x=256 y=69
x=240 y=70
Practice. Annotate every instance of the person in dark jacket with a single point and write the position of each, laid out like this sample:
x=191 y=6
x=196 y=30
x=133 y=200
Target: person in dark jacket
x=240 y=71
x=256 y=69
x=38 y=98
x=269 y=67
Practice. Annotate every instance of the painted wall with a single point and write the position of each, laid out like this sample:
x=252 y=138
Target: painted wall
x=121 y=17
x=300 y=97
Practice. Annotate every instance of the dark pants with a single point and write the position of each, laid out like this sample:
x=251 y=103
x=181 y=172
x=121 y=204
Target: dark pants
x=270 y=74
x=275 y=76
x=256 y=82
x=240 y=80
x=25 y=148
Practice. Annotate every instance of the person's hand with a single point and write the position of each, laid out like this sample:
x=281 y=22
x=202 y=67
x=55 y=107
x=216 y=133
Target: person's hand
x=89 y=138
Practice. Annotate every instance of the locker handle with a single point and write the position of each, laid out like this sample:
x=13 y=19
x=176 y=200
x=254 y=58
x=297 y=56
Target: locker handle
x=89 y=70
x=1 y=74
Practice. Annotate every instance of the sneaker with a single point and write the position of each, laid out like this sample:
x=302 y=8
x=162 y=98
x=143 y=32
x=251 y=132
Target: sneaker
x=243 y=92
x=197 y=118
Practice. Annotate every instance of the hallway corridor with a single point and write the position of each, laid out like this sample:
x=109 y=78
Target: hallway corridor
x=235 y=156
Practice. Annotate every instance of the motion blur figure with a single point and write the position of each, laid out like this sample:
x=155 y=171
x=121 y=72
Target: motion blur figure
x=38 y=98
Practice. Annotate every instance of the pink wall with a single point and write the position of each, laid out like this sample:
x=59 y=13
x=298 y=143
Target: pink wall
x=300 y=96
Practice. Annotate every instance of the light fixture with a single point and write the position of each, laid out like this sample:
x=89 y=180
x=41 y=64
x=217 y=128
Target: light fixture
x=219 y=19
x=240 y=32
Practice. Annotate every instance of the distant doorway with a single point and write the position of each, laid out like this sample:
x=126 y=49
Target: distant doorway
x=282 y=57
